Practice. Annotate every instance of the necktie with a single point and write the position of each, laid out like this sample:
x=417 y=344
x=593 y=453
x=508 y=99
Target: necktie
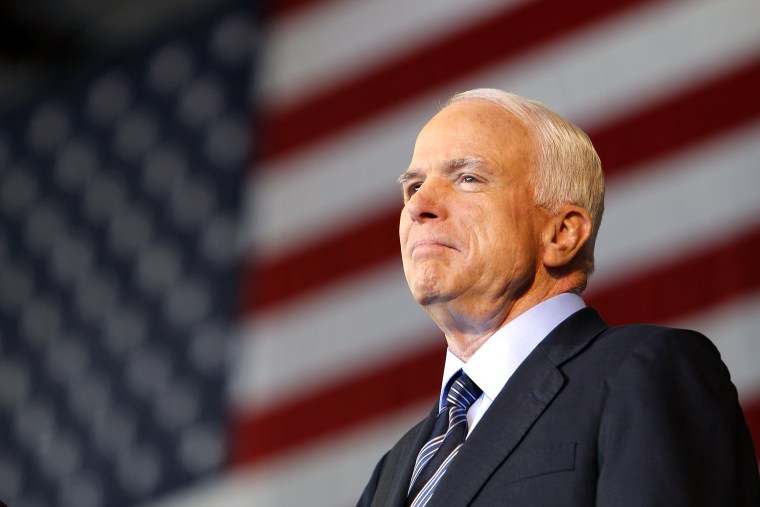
x=449 y=433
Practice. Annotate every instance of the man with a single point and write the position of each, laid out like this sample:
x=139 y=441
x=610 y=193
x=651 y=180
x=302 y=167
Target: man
x=502 y=203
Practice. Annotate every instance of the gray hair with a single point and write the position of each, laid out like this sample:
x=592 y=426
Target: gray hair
x=567 y=169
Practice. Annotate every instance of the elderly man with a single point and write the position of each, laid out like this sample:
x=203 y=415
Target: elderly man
x=542 y=403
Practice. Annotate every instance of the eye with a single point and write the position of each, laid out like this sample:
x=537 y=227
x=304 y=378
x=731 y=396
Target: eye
x=468 y=178
x=413 y=188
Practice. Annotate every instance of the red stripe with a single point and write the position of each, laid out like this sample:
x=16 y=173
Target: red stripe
x=724 y=103
x=684 y=286
x=666 y=293
x=499 y=37
x=752 y=415
x=689 y=118
x=333 y=258
x=283 y=8
x=338 y=407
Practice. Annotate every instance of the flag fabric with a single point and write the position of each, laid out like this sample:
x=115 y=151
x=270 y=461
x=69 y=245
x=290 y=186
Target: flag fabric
x=119 y=199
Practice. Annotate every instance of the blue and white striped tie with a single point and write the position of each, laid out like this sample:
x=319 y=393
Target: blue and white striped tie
x=449 y=433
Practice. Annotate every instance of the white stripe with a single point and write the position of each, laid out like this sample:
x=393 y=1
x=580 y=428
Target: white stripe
x=428 y=451
x=330 y=473
x=327 y=189
x=297 y=64
x=349 y=178
x=426 y=492
x=336 y=334
x=656 y=214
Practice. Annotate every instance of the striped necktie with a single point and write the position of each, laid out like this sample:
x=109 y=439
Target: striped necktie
x=449 y=433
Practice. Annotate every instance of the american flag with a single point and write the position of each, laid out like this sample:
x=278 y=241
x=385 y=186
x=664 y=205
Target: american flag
x=325 y=330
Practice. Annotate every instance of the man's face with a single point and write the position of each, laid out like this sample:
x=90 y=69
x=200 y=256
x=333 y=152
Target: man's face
x=469 y=228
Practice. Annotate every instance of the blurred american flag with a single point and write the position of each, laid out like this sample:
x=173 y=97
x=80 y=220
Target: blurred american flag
x=324 y=327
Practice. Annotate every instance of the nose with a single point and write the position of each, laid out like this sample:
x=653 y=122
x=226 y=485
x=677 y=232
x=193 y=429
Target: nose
x=428 y=203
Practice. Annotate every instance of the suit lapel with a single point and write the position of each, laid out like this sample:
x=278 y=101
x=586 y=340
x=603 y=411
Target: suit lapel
x=531 y=389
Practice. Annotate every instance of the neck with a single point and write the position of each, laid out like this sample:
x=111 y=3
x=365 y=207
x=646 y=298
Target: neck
x=467 y=327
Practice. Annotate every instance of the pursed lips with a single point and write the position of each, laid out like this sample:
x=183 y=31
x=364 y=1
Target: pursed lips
x=424 y=244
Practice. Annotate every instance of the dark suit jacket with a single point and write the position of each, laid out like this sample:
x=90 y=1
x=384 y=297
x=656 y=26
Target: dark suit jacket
x=628 y=416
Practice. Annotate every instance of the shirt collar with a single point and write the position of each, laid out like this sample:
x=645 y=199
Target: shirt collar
x=497 y=359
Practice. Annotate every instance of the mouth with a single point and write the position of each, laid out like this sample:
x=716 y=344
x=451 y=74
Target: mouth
x=430 y=245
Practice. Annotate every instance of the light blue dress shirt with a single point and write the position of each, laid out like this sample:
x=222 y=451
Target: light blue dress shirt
x=497 y=359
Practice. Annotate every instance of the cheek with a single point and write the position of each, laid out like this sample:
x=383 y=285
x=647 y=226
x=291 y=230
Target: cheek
x=403 y=232
x=489 y=233
x=501 y=241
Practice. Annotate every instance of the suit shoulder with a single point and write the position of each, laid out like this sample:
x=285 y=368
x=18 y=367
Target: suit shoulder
x=652 y=331
x=664 y=356
x=654 y=352
x=661 y=339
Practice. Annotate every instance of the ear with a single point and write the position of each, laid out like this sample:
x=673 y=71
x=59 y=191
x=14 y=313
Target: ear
x=564 y=236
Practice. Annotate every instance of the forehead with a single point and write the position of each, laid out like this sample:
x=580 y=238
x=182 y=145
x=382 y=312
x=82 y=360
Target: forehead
x=473 y=129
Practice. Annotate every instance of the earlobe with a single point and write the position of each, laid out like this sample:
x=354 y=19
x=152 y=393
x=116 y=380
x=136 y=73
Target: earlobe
x=565 y=235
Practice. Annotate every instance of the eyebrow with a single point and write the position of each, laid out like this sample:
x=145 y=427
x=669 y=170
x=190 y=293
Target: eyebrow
x=448 y=165
x=458 y=163
x=407 y=175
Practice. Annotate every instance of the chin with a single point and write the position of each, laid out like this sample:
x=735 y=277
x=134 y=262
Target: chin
x=427 y=284
x=428 y=294
x=424 y=294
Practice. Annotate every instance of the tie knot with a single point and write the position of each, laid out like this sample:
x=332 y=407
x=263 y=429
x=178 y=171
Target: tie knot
x=463 y=392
